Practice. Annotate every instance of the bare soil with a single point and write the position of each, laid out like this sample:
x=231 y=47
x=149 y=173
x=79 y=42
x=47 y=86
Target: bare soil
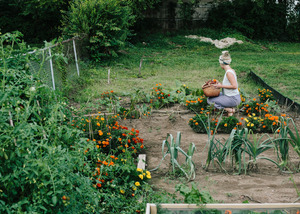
x=266 y=184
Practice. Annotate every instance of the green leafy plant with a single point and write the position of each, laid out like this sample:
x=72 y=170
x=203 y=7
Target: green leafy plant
x=192 y=195
x=111 y=101
x=229 y=123
x=173 y=149
x=53 y=161
x=161 y=98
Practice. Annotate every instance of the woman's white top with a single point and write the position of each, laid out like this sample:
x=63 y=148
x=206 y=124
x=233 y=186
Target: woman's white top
x=228 y=91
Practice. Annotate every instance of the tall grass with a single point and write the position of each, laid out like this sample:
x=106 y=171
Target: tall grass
x=167 y=58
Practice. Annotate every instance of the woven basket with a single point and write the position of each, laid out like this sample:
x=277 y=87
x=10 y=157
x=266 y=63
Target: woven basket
x=211 y=91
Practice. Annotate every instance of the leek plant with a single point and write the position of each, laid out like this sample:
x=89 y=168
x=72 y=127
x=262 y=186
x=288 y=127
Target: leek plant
x=294 y=136
x=287 y=136
x=255 y=147
x=173 y=149
x=216 y=149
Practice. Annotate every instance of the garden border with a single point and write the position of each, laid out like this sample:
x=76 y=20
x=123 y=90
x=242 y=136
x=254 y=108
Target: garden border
x=152 y=208
x=292 y=105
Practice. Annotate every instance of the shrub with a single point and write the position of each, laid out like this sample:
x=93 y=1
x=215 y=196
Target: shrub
x=105 y=23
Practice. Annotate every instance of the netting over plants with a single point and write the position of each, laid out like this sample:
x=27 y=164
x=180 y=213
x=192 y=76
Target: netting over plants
x=56 y=64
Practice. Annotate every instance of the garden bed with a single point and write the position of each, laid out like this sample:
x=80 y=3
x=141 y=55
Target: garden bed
x=266 y=184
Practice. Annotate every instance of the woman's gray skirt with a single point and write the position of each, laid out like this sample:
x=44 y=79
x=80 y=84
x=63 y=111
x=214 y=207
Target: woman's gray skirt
x=223 y=101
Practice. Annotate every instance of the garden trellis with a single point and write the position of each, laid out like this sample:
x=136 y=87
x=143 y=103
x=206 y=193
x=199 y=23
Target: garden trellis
x=56 y=64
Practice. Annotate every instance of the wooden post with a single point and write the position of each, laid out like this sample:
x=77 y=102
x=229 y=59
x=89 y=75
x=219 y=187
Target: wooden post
x=75 y=54
x=51 y=67
x=142 y=161
x=140 y=73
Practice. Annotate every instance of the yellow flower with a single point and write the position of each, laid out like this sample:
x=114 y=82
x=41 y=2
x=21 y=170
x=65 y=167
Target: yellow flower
x=252 y=124
x=139 y=170
x=102 y=118
x=122 y=191
x=148 y=173
x=134 y=188
x=141 y=176
x=148 y=176
x=137 y=184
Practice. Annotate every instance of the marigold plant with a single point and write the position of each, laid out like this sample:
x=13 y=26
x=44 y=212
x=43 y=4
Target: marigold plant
x=161 y=97
x=199 y=123
x=229 y=123
x=253 y=122
x=265 y=94
x=197 y=105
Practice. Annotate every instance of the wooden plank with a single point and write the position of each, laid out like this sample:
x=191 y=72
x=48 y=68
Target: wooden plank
x=233 y=206
x=152 y=209
x=142 y=161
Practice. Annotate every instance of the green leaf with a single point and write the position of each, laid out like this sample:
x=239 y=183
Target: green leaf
x=54 y=200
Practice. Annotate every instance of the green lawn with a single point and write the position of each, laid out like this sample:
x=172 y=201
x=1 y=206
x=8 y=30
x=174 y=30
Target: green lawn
x=166 y=59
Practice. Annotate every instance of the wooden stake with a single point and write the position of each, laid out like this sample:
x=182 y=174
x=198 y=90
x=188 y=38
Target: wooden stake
x=141 y=62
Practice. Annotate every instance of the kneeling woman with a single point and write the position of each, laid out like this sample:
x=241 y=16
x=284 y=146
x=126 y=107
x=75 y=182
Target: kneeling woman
x=230 y=96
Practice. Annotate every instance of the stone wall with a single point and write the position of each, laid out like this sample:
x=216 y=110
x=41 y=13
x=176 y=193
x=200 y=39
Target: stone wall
x=171 y=15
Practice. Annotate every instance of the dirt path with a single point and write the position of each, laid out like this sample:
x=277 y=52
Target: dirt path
x=265 y=185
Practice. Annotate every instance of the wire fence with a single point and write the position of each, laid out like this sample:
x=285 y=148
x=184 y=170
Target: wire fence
x=58 y=64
